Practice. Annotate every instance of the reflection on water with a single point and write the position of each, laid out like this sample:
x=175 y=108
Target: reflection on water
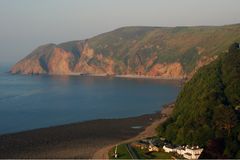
x=28 y=102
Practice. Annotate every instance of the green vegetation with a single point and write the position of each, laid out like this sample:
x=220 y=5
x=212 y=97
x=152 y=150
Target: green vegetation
x=140 y=153
x=138 y=49
x=206 y=111
x=72 y=46
x=121 y=151
x=145 y=154
x=189 y=59
x=171 y=44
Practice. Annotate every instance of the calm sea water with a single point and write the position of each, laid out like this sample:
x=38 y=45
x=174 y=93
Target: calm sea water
x=28 y=102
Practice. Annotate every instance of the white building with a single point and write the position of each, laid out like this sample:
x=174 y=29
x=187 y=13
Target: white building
x=192 y=152
x=168 y=148
x=180 y=150
x=187 y=152
x=153 y=148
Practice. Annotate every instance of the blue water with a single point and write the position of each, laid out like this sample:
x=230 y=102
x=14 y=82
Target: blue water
x=29 y=102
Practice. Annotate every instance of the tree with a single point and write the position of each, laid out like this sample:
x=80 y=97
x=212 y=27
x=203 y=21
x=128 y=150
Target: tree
x=225 y=118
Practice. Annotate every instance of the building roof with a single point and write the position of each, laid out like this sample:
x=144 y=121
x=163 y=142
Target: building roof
x=180 y=148
x=193 y=147
x=169 y=146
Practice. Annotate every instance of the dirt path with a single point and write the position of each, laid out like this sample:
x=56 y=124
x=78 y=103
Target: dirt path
x=148 y=132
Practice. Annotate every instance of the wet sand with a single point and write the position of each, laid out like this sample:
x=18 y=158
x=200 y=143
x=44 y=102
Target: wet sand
x=149 y=77
x=130 y=76
x=79 y=140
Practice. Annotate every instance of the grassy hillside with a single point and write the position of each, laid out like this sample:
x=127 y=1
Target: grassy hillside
x=167 y=52
x=184 y=44
x=207 y=109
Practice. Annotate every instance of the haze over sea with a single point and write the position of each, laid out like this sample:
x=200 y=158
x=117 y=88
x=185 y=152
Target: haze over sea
x=37 y=101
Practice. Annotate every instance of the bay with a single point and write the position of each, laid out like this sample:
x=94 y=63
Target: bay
x=37 y=101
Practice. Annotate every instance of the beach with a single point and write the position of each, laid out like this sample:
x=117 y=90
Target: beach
x=91 y=139
x=149 y=131
x=130 y=76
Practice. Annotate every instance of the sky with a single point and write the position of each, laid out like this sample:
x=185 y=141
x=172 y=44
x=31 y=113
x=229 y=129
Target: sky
x=26 y=24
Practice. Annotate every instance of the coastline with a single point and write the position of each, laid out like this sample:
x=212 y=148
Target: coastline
x=148 y=77
x=79 y=140
x=149 y=131
x=130 y=76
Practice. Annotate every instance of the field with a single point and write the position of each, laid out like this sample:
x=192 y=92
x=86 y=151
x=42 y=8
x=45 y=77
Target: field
x=123 y=153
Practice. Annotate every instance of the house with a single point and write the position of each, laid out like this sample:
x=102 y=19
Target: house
x=180 y=150
x=192 y=152
x=140 y=144
x=153 y=148
x=169 y=148
x=187 y=152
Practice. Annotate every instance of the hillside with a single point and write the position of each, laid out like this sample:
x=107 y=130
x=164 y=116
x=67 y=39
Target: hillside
x=168 y=52
x=207 y=109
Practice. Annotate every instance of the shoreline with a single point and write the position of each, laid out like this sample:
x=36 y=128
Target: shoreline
x=130 y=76
x=149 y=131
x=77 y=140
x=148 y=77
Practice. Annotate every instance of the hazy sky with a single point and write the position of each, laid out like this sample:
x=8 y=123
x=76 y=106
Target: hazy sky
x=26 y=24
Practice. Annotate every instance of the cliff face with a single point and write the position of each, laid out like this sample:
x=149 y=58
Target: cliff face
x=28 y=66
x=58 y=62
x=151 y=51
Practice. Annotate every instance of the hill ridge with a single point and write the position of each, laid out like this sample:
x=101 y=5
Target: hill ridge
x=167 y=52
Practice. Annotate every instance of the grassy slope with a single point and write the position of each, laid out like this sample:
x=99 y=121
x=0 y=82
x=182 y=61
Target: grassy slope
x=136 y=49
x=145 y=154
x=122 y=152
x=170 y=44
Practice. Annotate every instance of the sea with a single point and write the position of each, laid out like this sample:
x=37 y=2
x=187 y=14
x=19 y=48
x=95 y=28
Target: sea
x=37 y=101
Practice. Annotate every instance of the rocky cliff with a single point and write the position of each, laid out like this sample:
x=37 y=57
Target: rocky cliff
x=167 y=52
